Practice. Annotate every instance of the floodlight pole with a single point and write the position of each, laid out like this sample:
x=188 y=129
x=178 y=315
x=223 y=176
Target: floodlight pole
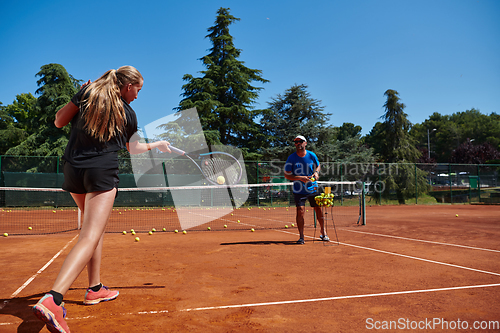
x=429 y=142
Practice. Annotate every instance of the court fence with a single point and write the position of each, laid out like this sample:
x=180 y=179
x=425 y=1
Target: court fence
x=383 y=182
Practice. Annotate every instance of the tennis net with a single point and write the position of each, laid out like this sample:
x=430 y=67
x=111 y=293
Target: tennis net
x=237 y=207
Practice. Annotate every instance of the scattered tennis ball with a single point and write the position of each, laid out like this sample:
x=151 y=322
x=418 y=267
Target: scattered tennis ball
x=208 y=228
x=153 y=230
x=30 y=228
x=225 y=225
x=293 y=225
x=124 y=232
x=164 y=229
x=150 y=232
x=137 y=239
x=176 y=231
x=456 y=215
x=238 y=221
x=252 y=230
x=133 y=232
x=53 y=211
x=286 y=226
x=184 y=232
x=221 y=180
x=6 y=234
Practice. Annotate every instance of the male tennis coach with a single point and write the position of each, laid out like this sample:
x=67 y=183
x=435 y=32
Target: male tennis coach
x=302 y=167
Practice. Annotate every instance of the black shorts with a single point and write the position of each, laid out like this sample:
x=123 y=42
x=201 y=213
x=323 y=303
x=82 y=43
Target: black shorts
x=81 y=180
x=300 y=199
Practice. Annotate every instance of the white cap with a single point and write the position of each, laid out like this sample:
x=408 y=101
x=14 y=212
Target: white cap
x=300 y=137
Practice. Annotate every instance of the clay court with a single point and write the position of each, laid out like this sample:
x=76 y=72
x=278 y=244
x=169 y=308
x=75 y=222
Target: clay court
x=410 y=267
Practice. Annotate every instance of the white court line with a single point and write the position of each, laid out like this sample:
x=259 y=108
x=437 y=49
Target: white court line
x=422 y=259
x=423 y=241
x=25 y=284
x=339 y=297
x=310 y=300
x=409 y=257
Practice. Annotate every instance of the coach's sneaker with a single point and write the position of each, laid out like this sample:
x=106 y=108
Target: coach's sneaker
x=50 y=313
x=324 y=238
x=300 y=241
x=104 y=294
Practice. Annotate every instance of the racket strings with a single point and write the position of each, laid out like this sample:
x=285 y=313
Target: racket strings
x=215 y=167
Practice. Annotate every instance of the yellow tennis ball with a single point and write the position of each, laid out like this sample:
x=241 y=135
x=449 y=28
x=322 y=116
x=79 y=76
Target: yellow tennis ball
x=150 y=232
x=221 y=180
x=456 y=215
x=153 y=230
x=164 y=229
x=133 y=232
x=176 y=231
x=6 y=234
x=30 y=228
x=137 y=239
x=208 y=228
x=225 y=225
x=124 y=232
x=184 y=232
x=252 y=230
x=286 y=226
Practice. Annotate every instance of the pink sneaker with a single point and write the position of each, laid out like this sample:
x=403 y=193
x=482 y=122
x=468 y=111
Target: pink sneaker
x=104 y=294
x=50 y=313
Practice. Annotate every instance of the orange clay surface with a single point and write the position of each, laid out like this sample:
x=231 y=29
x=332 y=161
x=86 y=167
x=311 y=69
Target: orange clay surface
x=411 y=266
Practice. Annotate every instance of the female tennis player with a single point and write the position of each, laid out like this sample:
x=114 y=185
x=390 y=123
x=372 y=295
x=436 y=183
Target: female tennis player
x=102 y=123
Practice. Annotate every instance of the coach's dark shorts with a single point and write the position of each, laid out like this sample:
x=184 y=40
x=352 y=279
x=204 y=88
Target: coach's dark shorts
x=80 y=181
x=300 y=199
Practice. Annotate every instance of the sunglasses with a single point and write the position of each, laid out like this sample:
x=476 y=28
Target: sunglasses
x=298 y=141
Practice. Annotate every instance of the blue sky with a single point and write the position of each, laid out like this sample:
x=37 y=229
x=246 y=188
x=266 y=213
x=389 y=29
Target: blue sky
x=440 y=55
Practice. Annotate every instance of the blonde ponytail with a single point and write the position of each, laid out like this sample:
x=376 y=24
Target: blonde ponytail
x=103 y=111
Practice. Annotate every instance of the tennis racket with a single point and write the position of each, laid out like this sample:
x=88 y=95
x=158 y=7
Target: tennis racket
x=217 y=167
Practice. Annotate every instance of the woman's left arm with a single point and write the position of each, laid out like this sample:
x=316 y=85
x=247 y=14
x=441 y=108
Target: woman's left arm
x=65 y=114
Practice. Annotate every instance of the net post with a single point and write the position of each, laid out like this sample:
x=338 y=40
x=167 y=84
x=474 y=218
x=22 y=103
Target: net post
x=363 y=206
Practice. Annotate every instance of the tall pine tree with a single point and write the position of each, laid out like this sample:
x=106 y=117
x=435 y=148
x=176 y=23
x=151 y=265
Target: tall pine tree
x=224 y=95
x=56 y=88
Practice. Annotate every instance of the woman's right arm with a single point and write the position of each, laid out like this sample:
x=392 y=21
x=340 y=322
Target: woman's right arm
x=64 y=115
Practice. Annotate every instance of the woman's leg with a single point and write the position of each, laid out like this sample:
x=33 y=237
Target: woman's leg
x=97 y=208
x=94 y=265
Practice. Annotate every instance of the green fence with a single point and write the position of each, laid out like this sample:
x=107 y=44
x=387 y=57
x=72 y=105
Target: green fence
x=405 y=183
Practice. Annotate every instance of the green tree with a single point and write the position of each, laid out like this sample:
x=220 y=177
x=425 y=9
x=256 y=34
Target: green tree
x=454 y=130
x=376 y=140
x=224 y=95
x=399 y=147
x=56 y=88
x=15 y=124
x=291 y=114
x=348 y=130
